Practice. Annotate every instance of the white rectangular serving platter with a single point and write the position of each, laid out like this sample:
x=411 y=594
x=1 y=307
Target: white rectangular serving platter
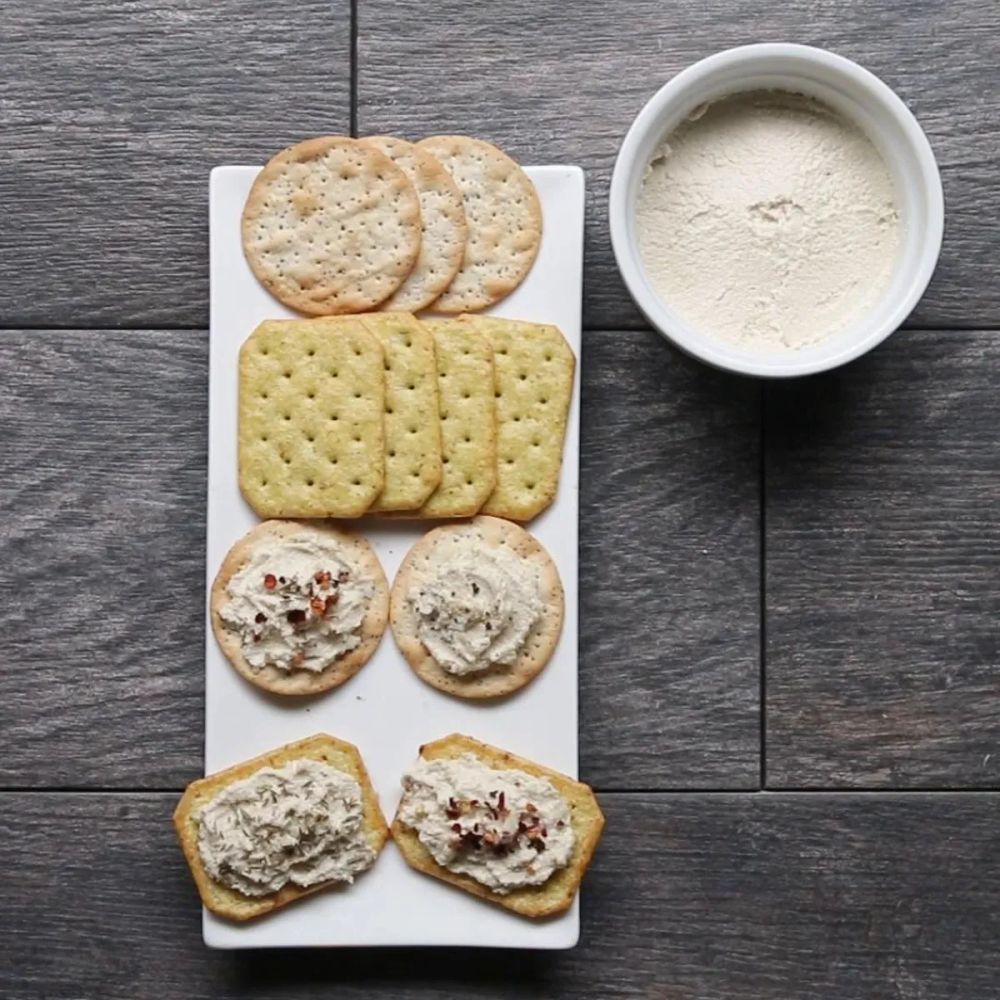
x=385 y=710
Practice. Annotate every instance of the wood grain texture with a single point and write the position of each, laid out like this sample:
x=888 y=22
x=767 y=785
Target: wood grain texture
x=691 y=897
x=102 y=541
x=112 y=116
x=669 y=571
x=562 y=83
x=883 y=552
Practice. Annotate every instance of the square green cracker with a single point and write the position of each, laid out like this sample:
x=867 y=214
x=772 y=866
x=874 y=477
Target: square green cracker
x=412 y=427
x=468 y=420
x=311 y=397
x=534 y=384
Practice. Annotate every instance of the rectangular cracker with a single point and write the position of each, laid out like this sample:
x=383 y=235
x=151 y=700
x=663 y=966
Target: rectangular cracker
x=311 y=398
x=534 y=369
x=412 y=425
x=228 y=902
x=468 y=420
x=553 y=896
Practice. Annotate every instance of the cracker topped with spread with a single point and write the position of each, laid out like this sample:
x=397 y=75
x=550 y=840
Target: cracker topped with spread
x=477 y=608
x=264 y=833
x=498 y=826
x=299 y=608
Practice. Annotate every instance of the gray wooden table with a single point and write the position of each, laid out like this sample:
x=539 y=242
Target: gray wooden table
x=790 y=667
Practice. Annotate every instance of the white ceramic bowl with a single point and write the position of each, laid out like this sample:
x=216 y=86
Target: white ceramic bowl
x=859 y=96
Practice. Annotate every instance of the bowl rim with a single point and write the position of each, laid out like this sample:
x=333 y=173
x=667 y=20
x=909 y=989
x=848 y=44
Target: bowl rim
x=627 y=256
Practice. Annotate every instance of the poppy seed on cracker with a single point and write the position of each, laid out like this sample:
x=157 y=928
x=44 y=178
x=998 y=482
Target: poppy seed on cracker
x=504 y=218
x=331 y=226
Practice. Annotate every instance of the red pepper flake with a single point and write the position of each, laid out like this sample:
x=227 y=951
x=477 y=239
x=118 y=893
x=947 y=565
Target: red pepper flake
x=560 y=824
x=296 y=616
x=469 y=839
x=343 y=576
x=318 y=605
x=457 y=827
x=260 y=618
x=270 y=582
x=332 y=600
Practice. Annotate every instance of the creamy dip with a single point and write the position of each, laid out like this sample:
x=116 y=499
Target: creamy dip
x=298 y=604
x=302 y=823
x=768 y=220
x=505 y=828
x=476 y=608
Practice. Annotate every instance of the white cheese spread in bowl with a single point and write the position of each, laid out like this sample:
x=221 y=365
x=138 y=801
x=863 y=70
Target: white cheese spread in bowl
x=776 y=210
x=768 y=220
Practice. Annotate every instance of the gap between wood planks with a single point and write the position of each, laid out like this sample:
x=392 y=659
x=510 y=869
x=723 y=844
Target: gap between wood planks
x=626 y=327
x=353 y=91
x=650 y=792
x=762 y=586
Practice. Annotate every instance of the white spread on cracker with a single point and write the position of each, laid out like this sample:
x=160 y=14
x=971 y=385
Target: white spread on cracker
x=298 y=604
x=768 y=220
x=477 y=606
x=302 y=823
x=504 y=828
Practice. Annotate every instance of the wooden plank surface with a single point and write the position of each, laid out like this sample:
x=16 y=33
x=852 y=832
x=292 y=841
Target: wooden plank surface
x=691 y=897
x=112 y=116
x=669 y=571
x=883 y=569
x=562 y=82
x=105 y=435
x=103 y=536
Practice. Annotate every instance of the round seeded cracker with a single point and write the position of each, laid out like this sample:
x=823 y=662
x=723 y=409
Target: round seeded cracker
x=481 y=533
x=331 y=226
x=504 y=218
x=358 y=553
x=442 y=219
